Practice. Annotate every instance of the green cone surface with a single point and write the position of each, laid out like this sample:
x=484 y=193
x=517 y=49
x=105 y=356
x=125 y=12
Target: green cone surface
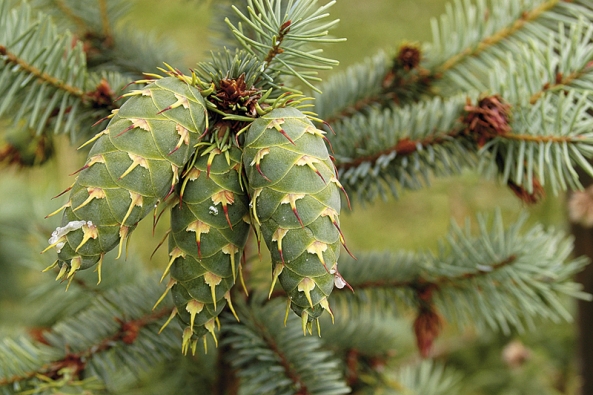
x=295 y=200
x=132 y=165
x=209 y=229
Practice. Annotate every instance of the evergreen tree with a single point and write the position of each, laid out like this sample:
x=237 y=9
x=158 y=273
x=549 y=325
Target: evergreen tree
x=244 y=161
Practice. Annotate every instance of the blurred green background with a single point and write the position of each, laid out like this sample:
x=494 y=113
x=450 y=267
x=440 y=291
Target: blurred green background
x=415 y=221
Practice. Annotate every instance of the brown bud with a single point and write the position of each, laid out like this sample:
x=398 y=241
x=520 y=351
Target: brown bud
x=409 y=56
x=488 y=119
x=427 y=327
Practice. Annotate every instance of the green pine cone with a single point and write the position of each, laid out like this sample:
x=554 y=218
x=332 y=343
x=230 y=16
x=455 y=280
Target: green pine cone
x=295 y=200
x=132 y=166
x=209 y=229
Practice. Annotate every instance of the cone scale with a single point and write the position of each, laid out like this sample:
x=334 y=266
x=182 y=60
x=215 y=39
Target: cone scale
x=133 y=165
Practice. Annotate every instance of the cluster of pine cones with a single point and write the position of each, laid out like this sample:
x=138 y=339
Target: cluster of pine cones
x=277 y=178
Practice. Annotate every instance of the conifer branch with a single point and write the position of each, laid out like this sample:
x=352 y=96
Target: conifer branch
x=122 y=322
x=260 y=335
x=495 y=37
x=42 y=77
x=127 y=333
x=464 y=47
x=499 y=278
x=280 y=36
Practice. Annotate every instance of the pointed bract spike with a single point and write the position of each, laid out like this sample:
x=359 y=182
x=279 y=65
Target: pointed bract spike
x=330 y=127
x=54 y=244
x=304 y=321
x=181 y=101
x=69 y=204
x=340 y=282
x=125 y=130
x=99 y=268
x=257 y=162
x=335 y=180
x=275 y=123
x=136 y=92
x=287 y=310
x=95 y=137
x=184 y=137
x=70 y=279
x=261 y=173
x=174 y=181
x=318 y=248
x=94 y=193
x=160 y=243
x=193 y=307
x=231 y=250
x=198 y=227
x=50 y=267
x=318 y=327
x=211 y=157
x=212 y=280
x=136 y=201
x=277 y=237
x=329 y=143
x=277 y=270
x=309 y=161
x=136 y=123
x=186 y=339
x=137 y=160
x=227 y=296
x=93 y=160
x=325 y=304
x=123 y=233
x=89 y=231
x=174 y=254
x=209 y=325
x=167 y=289
x=95 y=124
x=343 y=242
x=225 y=198
x=63 y=192
x=291 y=199
x=243 y=281
x=253 y=206
x=75 y=264
x=307 y=285
x=62 y=272
x=171 y=316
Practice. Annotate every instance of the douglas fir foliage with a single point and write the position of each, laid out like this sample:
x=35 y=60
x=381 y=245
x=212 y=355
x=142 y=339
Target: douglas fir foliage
x=252 y=143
